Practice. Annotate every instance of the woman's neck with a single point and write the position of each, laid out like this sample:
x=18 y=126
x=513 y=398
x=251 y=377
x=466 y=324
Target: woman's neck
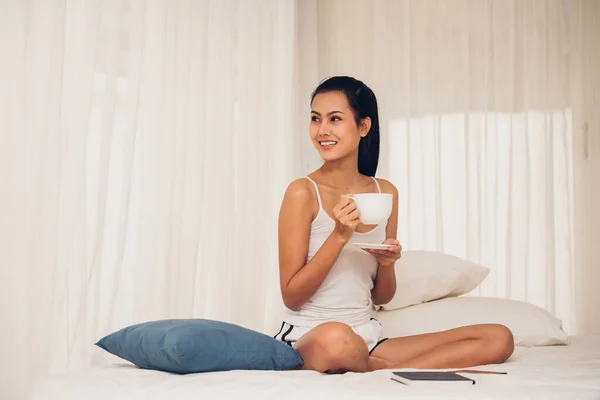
x=342 y=174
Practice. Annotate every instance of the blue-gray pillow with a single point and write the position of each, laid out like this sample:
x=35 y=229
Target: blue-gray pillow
x=186 y=346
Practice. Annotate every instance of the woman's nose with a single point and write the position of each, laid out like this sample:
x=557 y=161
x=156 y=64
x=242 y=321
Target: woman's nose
x=323 y=130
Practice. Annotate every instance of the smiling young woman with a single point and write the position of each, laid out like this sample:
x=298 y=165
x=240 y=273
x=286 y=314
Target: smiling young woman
x=326 y=283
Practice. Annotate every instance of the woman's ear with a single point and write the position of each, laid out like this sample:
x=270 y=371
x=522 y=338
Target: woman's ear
x=364 y=127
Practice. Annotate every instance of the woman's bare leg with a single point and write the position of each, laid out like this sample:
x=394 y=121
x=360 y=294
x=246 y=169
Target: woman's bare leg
x=455 y=348
x=334 y=348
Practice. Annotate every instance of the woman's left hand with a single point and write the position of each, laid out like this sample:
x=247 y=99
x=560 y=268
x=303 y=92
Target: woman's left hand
x=387 y=258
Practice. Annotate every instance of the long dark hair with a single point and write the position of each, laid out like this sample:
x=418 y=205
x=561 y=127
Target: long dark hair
x=363 y=103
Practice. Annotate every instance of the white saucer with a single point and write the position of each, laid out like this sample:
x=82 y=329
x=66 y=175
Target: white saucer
x=373 y=246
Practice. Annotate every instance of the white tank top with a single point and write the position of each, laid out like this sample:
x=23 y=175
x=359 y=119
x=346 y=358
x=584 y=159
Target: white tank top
x=345 y=295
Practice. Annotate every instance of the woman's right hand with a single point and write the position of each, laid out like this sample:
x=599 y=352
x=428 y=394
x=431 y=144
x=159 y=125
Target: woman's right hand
x=346 y=217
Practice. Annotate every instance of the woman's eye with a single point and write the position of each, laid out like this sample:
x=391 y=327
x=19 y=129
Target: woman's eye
x=314 y=119
x=335 y=118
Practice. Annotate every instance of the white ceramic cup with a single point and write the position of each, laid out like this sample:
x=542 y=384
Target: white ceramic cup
x=374 y=208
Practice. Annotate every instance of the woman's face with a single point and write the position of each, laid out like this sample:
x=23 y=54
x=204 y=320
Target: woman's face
x=333 y=129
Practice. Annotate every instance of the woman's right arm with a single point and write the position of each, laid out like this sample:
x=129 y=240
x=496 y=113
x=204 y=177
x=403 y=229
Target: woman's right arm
x=300 y=280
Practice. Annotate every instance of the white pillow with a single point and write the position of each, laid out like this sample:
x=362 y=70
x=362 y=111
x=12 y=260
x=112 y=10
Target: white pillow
x=424 y=276
x=530 y=325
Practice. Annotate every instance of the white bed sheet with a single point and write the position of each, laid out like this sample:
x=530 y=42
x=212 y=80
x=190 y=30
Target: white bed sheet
x=556 y=372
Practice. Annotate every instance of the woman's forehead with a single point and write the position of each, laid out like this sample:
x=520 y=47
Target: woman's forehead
x=328 y=101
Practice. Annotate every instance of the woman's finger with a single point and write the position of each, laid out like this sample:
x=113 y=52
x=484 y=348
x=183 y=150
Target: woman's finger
x=354 y=215
x=394 y=249
x=384 y=255
x=348 y=207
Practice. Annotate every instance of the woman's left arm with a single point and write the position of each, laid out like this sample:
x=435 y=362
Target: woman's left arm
x=385 y=281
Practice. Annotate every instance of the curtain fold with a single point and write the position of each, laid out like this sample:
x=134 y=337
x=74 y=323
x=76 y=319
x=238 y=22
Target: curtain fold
x=146 y=147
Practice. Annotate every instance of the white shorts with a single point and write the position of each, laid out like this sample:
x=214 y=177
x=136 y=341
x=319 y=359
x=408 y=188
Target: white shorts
x=370 y=332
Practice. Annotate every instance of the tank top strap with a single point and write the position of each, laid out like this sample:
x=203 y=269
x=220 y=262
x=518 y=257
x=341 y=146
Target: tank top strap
x=377 y=183
x=317 y=190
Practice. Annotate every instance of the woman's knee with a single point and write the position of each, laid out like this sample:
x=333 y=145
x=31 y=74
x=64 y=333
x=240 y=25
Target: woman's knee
x=333 y=347
x=499 y=340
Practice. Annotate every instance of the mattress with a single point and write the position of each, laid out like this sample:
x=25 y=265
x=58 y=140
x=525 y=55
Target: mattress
x=552 y=372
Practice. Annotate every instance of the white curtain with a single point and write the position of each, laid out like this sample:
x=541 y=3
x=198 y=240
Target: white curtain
x=145 y=147
x=483 y=107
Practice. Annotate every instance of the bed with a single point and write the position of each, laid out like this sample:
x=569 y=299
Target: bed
x=546 y=372
x=434 y=296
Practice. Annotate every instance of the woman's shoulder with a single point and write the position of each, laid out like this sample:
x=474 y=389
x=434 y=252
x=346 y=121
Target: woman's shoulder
x=387 y=186
x=298 y=202
x=299 y=191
